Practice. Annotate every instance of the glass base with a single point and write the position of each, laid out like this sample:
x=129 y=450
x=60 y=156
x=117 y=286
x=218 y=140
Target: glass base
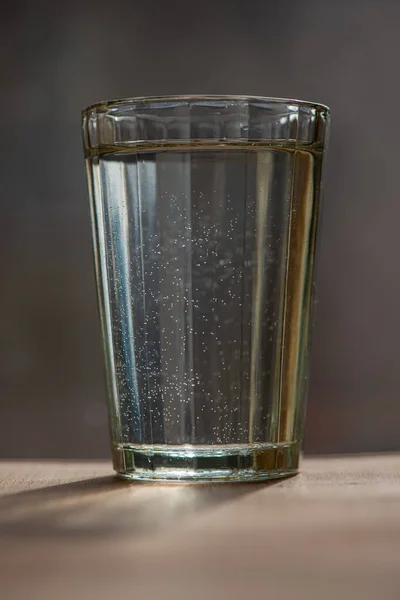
x=228 y=463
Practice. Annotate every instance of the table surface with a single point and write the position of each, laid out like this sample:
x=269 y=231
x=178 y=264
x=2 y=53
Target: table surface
x=70 y=530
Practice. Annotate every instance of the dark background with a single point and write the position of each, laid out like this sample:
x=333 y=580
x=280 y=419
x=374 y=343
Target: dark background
x=58 y=57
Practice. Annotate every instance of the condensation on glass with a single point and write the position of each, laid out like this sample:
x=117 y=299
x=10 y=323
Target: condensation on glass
x=204 y=213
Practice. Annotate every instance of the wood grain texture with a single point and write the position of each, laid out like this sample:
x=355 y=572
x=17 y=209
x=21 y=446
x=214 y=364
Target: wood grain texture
x=72 y=531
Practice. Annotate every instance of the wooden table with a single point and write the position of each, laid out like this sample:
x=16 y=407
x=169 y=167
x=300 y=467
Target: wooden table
x=72 y=531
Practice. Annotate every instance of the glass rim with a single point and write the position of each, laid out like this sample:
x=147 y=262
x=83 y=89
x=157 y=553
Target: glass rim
x=104 y=106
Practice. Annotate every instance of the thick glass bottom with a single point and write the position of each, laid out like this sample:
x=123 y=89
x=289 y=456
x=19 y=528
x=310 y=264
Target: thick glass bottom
x=228 y=463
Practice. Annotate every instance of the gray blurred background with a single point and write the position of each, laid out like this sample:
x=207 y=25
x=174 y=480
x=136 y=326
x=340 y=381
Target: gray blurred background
x=58 y=57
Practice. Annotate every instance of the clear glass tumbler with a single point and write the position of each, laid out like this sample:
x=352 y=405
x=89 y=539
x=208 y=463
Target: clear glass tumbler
x=204 y=212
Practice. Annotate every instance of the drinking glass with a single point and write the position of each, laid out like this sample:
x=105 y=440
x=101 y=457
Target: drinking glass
x=204 y=212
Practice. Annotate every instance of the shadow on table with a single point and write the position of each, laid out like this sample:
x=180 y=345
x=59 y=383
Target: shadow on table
x=108 y=506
